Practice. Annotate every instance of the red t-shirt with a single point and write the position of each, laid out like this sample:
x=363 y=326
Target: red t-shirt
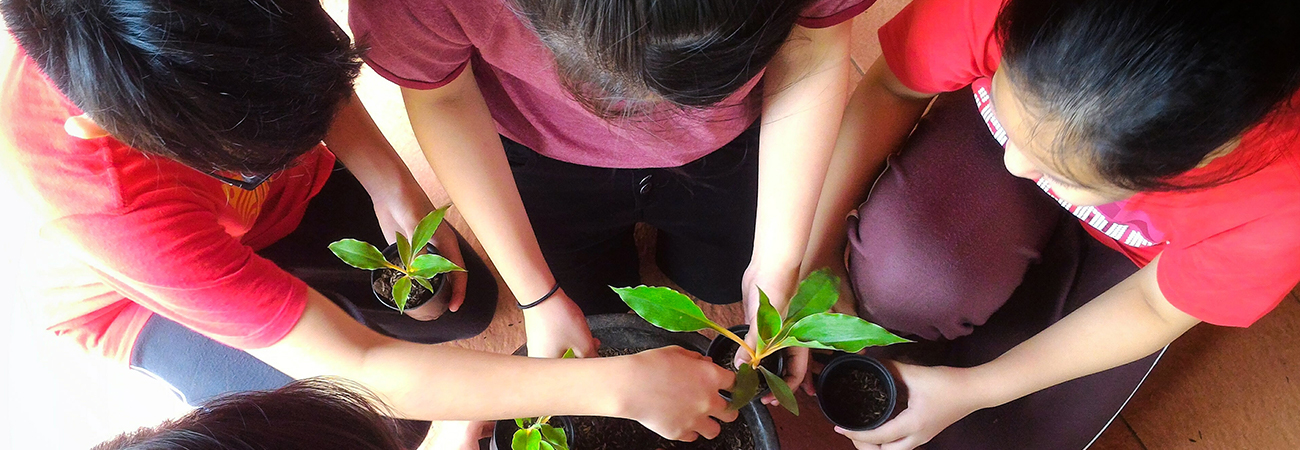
x=425 y=44
x=136 y=235
x=1229 y=254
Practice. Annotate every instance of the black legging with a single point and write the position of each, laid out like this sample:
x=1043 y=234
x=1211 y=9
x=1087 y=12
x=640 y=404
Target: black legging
x=199 y=368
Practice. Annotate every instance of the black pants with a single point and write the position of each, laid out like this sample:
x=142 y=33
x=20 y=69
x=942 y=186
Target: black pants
x=584 y=219
x=199 y=368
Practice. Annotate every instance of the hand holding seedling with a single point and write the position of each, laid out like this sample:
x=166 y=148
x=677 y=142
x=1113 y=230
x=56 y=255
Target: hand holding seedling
x=414 y=267
x=806 y=324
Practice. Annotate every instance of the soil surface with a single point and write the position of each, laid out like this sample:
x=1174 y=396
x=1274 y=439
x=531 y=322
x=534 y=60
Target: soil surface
x=383 y=285
x=861 y=396
x=604 y=433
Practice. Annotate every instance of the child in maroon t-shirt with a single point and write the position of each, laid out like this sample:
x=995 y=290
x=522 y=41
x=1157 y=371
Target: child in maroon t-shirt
x=559 y=125
x=1165 y=133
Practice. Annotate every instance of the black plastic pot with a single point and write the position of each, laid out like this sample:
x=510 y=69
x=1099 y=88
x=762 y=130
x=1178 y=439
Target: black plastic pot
x=426 y=307
x=630 y=331
x=723 y=349
x=840 y=408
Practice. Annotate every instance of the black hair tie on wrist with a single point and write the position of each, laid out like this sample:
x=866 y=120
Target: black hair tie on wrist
x=539 y=301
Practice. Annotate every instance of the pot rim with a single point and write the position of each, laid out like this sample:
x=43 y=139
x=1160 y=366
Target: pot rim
x=438 y=281
x=845 y=360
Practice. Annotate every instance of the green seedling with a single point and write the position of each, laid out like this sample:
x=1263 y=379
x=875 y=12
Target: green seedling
x=805 y=324
x=538 y=433
x=418 y=269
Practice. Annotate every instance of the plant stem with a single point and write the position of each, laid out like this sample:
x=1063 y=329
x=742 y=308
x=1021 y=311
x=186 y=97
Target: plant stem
x=725 y=332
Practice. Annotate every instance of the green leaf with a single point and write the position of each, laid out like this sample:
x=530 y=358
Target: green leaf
x=521 y=423
x=423 y=282
x=746 y=387
x=769 y=320
x=555 y=436
x=568 y=354
x=359 y=254
x=543 y=445
x=780 y=390
x=427 y=226
x=526 y=439
x=428 y=266
x=842 y=332
x=666 y=308
x=817 y=294
x=401 y=292
x=404 y=251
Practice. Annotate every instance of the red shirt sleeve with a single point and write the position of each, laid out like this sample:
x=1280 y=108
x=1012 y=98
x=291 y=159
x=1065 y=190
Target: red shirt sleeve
x=936 y=46
x=174 y=258
x=417 y=46
x=1237 y=276
x=828 y=13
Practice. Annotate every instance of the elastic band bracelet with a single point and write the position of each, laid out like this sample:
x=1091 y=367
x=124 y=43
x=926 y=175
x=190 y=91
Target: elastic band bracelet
x=544 y=297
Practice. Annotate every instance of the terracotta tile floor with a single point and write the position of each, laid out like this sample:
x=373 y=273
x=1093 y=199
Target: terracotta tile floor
x=1216 y=389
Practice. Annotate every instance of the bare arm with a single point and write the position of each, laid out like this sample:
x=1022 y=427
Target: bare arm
x=672 y=391
x=1127 y=322
x=456 y=132
x=879 y=117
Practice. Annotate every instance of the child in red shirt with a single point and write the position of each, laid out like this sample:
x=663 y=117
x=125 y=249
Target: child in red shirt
x=183 y=175
x=1165 y=135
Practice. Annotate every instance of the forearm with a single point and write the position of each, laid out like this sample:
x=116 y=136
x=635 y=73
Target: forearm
x=456 y=133
x=361 y=147
x=879 y=117
x=1128 y=322
x=805 y=90
x=431 y=382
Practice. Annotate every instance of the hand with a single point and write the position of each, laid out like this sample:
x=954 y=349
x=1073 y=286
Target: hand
x=674 y=392
x=402 y=211
x=937 y=398
x=556 y=325
x=779 y=287
x=456 y=435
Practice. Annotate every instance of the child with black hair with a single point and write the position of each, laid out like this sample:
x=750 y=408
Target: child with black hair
x=558 y=125
x=1170 y=129
x=173 y=150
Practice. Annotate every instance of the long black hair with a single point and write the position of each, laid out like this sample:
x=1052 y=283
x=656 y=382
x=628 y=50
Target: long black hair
x=238 y=85
x=310 y=414
x=1146 y=90
x=619 y=56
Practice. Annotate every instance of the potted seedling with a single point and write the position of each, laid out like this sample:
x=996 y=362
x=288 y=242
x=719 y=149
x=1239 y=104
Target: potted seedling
x=409 y=275
x=540 y=433
x=807 y=323
x=624 y=334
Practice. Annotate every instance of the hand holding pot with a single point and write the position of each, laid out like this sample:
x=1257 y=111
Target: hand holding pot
x=674 y=392
x=937 y=398
x=557 y=325
x=779 y=287
x=402 y=213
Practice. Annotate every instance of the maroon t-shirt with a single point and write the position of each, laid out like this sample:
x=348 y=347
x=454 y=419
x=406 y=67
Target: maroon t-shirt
x=425 y=44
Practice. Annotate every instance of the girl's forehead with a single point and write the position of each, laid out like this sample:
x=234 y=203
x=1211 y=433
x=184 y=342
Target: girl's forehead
x=1041 y=140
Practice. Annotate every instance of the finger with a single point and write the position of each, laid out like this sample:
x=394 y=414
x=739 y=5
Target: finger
x=891 y=431
x=459 y=282
x=708 y=428
x=809 y=387
x=907 y=443
x=751 y=338
x=797 y=367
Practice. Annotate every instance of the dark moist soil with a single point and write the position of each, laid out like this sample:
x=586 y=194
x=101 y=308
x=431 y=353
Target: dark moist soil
x=605 y=433
x=727 y=359
x=863 y=397
x=383 y=285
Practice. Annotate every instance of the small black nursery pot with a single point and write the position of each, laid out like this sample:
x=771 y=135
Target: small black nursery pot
x=723 y=352
x=422 y=304
x=857 y=392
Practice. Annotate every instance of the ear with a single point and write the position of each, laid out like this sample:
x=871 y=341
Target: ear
x=83 y=127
